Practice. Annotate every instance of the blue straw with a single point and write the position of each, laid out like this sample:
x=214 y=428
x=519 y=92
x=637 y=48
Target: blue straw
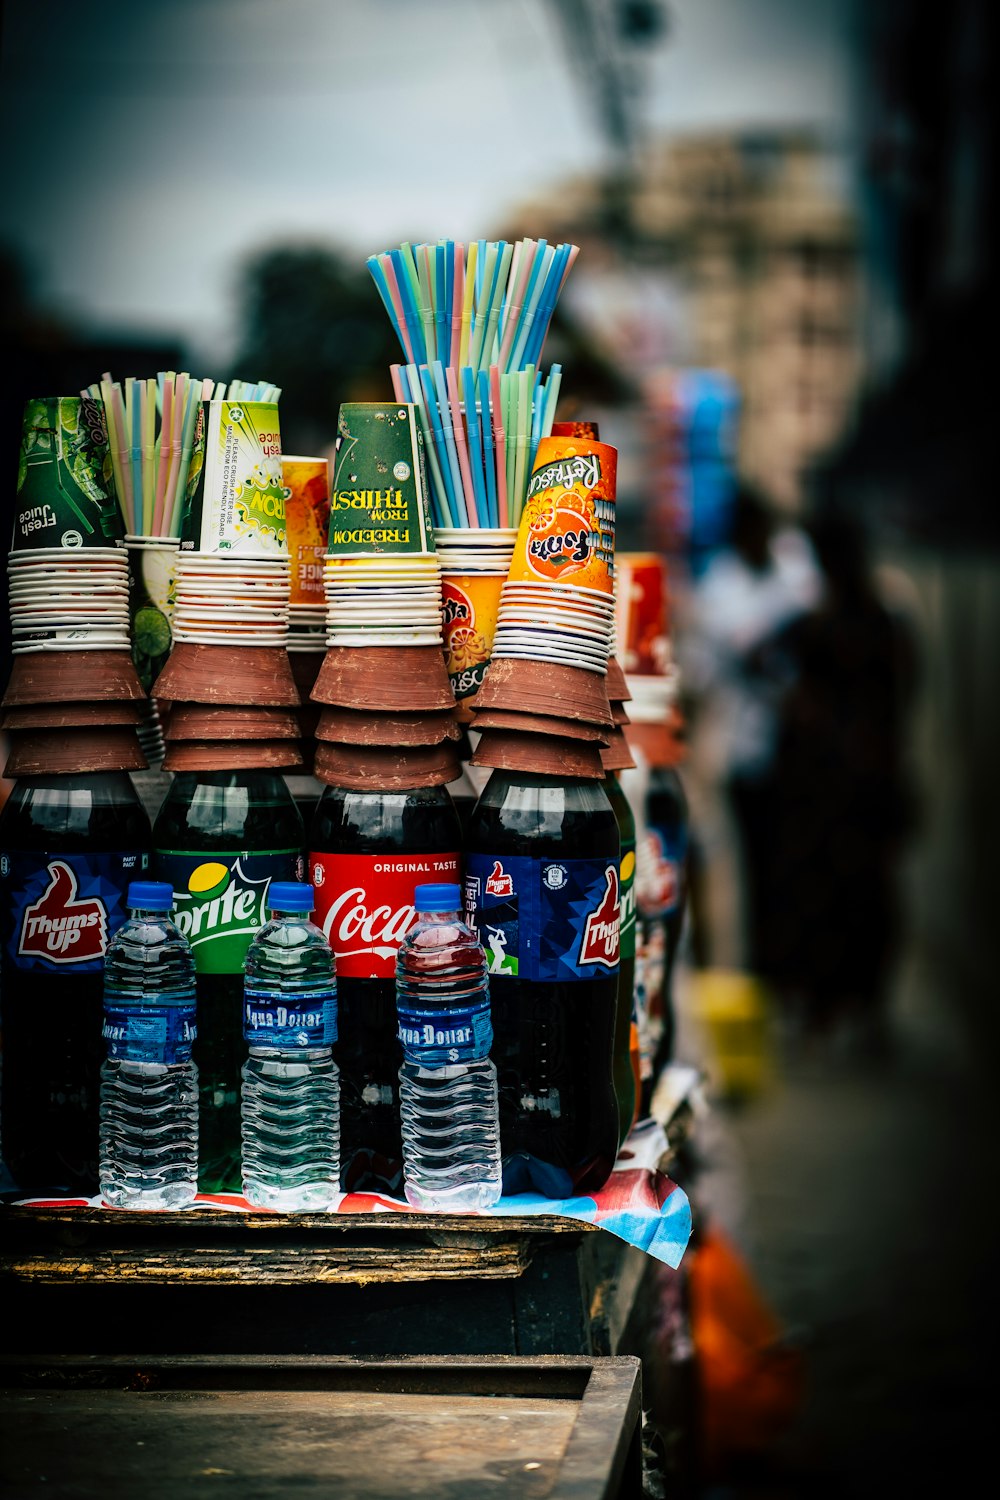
x=430 y=400
x=449 y=438
x=414 y=327
x=487 y=430
x=523 y=318
x=410 y=382
x=546 y=306
x=475 y=446
x=442 y=330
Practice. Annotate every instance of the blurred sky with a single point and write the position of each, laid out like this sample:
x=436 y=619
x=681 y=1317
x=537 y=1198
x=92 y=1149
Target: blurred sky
x=149 y=145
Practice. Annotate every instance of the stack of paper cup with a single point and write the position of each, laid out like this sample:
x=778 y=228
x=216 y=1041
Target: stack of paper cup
x=221 y=600
x=73 y=700
x=152 y=570
x=387 y=705
x=474 y=565
x=543 y=704
x=307 y=525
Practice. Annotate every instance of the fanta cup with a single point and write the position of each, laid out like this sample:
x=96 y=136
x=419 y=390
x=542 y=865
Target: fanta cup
x=567 y=530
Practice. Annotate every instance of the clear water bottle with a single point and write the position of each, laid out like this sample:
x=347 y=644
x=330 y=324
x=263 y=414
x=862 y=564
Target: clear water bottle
x=447 y=1084
x=291 y=1084
x=148 y=1149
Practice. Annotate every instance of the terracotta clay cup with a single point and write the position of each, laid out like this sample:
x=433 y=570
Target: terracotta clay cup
x=385 y=768
x=197 y=673
x=544 y=755
x=384 y=679
x=73 y=676
x=617 y=686
x=305 y=667
x=617 y=756
x=63 y=752
x=350 y=727
x=538 y=687
x=70 y=715
x=203 y=721
x=570 y=729
x=654 y=742
x=233 y=755
x=618 y=713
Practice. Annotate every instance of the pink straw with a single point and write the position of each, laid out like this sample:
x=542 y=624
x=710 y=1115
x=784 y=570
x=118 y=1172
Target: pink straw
x=163 y=467
x=472 y=515
x=457 y=301
x=397 y=303
x=397 y=384
x=499 y=443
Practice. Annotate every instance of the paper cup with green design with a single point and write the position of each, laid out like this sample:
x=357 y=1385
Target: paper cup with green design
x=65 y=489
x=379 y=504
x=152 y=574
x=235 y=505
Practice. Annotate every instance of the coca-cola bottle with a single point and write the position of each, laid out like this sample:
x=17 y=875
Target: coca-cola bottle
x=542 y=888
x=368 y=851
x=220 y=838
x=625 y=1089
x=69 y=846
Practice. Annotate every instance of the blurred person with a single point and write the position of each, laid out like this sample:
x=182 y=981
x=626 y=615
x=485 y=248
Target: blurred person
x=763 y=579
x=846 y=800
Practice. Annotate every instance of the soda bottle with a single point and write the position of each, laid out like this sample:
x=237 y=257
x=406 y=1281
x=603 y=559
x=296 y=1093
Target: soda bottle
x=367 y=850
x=220 y=838
x=69 y=845
x=447 y=1084
x=542 y=890
x=624 y=1077
x=291 y=1084
x=149 y=1083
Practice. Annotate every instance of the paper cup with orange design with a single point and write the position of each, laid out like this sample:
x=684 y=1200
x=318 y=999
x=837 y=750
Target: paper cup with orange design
x=567 y=531
x=307 y=524
x=470 y=602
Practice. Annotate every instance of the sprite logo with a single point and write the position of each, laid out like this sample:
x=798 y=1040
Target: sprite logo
x=219 y=912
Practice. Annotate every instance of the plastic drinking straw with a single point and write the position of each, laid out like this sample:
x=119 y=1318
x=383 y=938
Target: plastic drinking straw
x=163 y=464
x=398 y=390
x=439 y=492
x=406 y=273
x=113 y=448
x=379 y=277
x=166 y=507
x=483 y=381
x=543 y=315
x=519 y=359
x=551 y=398
x=525 y=386
x=457 y=303
x=461 y=443
x=396 y=301
x=409 y=306
x=439 y=445
x=472 y=423
x=496 y=304
x=148 y=435
x=486 y=268
x=528 y=294
x=513 y=309
x=442 y=311
x=176 y=511
x=470 y=289
x=500 y=444
x=451 y=447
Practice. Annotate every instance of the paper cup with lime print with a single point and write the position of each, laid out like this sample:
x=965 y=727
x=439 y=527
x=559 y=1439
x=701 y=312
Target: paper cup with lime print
x=65 y=490
x=470 y=603
x=152 y=577
x=235 y=503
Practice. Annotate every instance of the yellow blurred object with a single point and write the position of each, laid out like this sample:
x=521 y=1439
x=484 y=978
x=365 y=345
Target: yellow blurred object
x=734 y=1013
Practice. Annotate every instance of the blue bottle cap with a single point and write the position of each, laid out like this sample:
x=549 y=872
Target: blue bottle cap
x=150 y=895
x=439 y=897
x=290 y=895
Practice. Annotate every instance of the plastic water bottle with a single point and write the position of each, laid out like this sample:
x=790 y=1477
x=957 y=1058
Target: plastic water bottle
x=447 y=1084
x=148 y=1150
x=291 y=1084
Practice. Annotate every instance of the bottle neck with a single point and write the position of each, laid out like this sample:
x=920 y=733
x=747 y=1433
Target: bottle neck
x=150 y=913
x=440 y=916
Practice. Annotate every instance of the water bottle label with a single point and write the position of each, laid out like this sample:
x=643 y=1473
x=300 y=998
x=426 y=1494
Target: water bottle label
x=545 y=919
x=364 y=904
x=59 y=911
x=271 y=1020
x=150 y=1033
x=441 y=1037
x=219 y=899
x=626 y=873
x=659 y=870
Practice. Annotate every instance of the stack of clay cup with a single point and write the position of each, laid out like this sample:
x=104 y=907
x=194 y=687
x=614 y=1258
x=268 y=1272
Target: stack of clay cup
x=544 y=705
x=386 y=706
x=231 y=699
x=474 y=563
x=617 y=756
x=74 y=700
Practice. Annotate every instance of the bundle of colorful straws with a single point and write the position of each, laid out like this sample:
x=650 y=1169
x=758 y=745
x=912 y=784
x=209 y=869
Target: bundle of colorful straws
x=151 y=467
x=472 y=327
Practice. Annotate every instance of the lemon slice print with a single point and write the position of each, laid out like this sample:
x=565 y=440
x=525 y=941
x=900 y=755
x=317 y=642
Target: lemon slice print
x=151 y=632
x=208 y=880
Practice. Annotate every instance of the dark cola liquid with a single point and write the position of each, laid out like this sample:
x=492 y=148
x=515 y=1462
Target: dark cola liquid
x=553 y=1038
x=379 y=846
x=247 y=823
x=88 y=836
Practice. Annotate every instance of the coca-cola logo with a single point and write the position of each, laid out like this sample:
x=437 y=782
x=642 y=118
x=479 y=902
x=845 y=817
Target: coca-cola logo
x=603 y=926
x=61 y=928
x=364 y=905
x=352 y=928
x=498 y=882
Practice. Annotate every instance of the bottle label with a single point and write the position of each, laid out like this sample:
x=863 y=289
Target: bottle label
x=545 y=919
x=364 y=904
x=659 y=872
x=288 y=1021
x=220 y=898
x=59 y=911
x=626 y=875
x=437 y=1037
x=150 y=1033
